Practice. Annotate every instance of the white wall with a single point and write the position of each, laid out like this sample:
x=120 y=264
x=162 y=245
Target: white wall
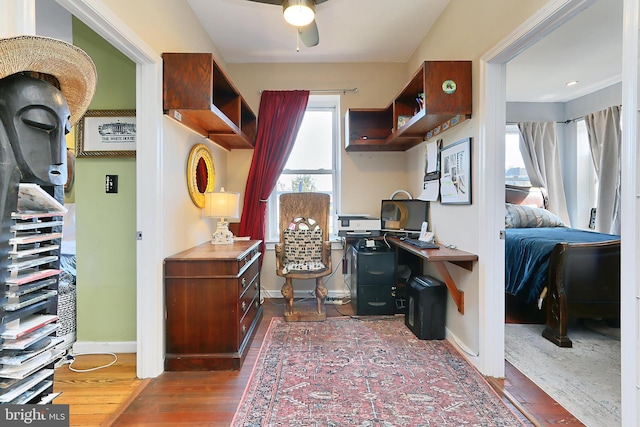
x=186 y=225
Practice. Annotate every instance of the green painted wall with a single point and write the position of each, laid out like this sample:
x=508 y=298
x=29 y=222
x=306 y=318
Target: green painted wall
x=106 y=223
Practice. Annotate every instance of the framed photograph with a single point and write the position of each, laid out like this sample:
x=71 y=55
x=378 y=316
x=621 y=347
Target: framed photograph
x=455 y=177
x=106 y=133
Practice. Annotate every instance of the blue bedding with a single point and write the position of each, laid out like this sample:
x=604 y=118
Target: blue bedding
x=527 y=253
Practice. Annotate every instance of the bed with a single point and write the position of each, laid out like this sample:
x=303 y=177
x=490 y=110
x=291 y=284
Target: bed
x=569 y=273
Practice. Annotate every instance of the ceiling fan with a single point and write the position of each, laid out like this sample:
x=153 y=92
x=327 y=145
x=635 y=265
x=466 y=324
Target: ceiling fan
x=301 y=14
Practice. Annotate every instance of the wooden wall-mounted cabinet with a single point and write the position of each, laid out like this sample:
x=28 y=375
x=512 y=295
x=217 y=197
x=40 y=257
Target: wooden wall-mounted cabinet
x=405 y=123
x=198 y=93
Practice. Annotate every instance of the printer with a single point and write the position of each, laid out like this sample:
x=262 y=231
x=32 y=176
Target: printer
x=358 y=225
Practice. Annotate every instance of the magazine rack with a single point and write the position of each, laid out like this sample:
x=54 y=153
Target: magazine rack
x=28 y=345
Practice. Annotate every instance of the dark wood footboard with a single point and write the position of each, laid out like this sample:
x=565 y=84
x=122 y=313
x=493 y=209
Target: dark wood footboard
x=584 y=282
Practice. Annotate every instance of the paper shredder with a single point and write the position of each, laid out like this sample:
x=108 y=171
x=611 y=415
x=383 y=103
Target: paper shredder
x=426 y=308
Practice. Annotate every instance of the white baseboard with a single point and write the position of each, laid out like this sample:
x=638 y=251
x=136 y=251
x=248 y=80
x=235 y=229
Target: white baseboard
x=270 y=293
x=93 y=347
x=467 y=353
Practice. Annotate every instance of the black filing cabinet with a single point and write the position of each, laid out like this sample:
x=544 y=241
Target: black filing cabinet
x=371 y=273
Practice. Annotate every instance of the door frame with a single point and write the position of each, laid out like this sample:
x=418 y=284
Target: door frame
x=149 y=191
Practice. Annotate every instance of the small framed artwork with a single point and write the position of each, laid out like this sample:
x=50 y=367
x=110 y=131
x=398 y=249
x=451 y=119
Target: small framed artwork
x=106 y=133
x=455 y=177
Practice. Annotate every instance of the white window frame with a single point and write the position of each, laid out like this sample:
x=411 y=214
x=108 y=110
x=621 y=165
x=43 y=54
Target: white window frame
x=587 y=180
x=316 y=102
x=512 y=129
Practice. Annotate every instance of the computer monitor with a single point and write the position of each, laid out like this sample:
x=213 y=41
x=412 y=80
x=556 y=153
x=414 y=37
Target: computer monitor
x=404 y=214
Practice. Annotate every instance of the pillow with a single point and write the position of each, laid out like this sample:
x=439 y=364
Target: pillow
x=302 y=246
x=521 y=216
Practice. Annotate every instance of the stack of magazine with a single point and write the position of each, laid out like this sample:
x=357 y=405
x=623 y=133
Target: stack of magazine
x=28 y=345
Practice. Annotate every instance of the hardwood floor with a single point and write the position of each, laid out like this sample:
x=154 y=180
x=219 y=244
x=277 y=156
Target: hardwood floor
x=97 y=397
x=114 y=397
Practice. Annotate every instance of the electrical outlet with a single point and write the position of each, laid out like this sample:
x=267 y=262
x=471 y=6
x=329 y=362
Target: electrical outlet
x=111 y=184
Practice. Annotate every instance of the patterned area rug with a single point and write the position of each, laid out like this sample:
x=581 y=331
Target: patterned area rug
x=364 y=372
x=584 y=379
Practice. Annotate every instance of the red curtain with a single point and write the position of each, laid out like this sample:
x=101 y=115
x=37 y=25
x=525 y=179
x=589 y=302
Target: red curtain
x=279 y=119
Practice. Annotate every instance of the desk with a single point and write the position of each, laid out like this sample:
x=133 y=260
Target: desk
x=439 y=257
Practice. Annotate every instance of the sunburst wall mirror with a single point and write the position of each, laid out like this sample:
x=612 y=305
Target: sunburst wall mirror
x=201 y=174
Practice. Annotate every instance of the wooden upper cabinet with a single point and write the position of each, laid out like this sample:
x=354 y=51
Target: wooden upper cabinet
x=198 y=93
x=446 y=86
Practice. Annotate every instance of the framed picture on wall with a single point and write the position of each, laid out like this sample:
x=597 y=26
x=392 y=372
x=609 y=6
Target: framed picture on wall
x=455 y=178
x=106 y=133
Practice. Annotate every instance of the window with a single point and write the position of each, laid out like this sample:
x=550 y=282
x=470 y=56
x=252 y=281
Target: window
x=587 y=180
x=514 y=170
x=313 y=163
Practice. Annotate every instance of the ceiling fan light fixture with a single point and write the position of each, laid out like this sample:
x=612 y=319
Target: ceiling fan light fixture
x=298 y=12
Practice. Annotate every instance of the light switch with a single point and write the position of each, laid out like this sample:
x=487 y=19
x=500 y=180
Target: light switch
x=111 y=184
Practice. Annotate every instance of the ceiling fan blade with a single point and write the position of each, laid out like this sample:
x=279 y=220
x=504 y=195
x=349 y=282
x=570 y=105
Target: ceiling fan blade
x=309 y=34
x=276 y=2
x=279 y=2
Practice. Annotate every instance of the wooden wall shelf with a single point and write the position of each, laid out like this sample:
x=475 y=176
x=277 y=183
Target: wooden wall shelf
x=447 y=96
x=198 y=94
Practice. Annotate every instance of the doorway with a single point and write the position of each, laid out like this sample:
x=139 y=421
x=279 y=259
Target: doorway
x=493 y=118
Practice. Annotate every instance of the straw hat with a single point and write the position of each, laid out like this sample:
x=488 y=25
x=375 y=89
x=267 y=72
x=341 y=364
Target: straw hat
x=73 y=68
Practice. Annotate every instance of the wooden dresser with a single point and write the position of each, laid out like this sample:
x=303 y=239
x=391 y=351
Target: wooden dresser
x=212 y=297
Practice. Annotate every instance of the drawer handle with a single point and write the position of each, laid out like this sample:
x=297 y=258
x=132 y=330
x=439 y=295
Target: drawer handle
x=244 y=282
x=256 y=285
x=244 y=329
x=257 y=304
x=244 y=305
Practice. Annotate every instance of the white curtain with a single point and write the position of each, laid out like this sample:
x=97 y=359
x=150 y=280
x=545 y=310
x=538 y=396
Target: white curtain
x=605 y=138
x=541 y=156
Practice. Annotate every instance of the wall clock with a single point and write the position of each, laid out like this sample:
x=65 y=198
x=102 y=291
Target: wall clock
x=201 y=174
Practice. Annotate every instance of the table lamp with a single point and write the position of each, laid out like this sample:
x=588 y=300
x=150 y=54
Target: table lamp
x=221 y=205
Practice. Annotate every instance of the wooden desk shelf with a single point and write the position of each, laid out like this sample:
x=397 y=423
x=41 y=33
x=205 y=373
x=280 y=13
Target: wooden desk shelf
x=439 y=257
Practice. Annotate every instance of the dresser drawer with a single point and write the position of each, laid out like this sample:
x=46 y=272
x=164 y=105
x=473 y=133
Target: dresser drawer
x=250 y=292
x=248 y=258
x=248 y=277
x=246 y=322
